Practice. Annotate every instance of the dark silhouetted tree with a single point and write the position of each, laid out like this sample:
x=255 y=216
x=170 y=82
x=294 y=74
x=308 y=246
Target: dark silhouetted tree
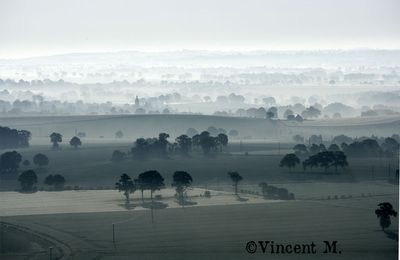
x=56 y=138
x=40 y=160
x=185 y=144
x=9 y=162
x=57 y=181
x=289 y=160
x=222 y=140
x=384 y=212
x=236 y=178
x=13 y=138
x=300 y=149
x=207 y=142
x=181 y=181
x=126 y=185
x=150 y=180
x=75 y=142
x=27 y=179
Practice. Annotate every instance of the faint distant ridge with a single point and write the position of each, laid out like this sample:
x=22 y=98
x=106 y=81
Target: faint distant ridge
x=203 y=58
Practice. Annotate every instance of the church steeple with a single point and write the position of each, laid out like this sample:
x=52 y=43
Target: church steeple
x=137 y=101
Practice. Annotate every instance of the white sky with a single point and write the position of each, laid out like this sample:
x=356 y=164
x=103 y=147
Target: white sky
x=44 y=27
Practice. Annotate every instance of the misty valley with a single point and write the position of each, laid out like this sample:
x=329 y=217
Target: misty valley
x=214 y=153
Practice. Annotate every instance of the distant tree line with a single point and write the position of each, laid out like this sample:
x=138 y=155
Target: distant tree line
x=184 y=145
x=13 y=138
x=358 y=147
x=325 y=159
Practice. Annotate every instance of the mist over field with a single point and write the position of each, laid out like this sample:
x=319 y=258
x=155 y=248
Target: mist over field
x=199 y=130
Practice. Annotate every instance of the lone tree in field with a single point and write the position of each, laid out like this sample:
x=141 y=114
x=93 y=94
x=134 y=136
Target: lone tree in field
x=236 y=178
x=28 y=179
x=56 y=138
x=126 y=185
x=384 y=212
x=40 y=160
x=290 y=160
x=181 y=181
x=150 y=180
x=57 y=181
x=75 y=142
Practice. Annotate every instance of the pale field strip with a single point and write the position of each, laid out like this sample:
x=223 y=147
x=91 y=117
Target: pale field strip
x=43 y=202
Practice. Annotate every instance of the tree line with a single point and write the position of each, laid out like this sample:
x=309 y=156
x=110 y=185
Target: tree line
x=363 y=147
x=28 y=180
x=13 y=138
x=325 y=159
x=161 y=147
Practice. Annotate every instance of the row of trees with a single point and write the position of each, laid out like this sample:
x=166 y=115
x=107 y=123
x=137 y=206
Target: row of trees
x=56 y=138
x=28 y=180
x=13 y=138
x=324 y=160
x=365 y=148
x=183 y=145
x=152 y=181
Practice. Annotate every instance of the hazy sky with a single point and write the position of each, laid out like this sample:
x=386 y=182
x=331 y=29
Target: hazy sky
x=42 y=27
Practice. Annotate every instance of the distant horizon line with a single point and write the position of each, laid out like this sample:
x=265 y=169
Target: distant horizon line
x=260 y=50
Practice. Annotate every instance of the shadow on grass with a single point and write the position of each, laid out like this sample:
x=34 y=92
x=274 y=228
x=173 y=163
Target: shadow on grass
x=187 y=203
x=392 y=235
x=241 y=199
x=128 y=206
x=154 y=205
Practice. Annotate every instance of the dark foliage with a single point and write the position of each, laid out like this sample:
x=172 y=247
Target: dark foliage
x=9 y=162
x=13 y=138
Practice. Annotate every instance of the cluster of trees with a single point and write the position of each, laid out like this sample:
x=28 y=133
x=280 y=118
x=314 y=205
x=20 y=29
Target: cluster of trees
x=363 y=146
x=183 y=145
x=13 y=138
x=152 y=180
x=272 y=192
x=325 y=159
x=56 y=138
x=28 y=180
x=371 y=148
x=213 y=131
x=57 y=181
x=10 y=161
